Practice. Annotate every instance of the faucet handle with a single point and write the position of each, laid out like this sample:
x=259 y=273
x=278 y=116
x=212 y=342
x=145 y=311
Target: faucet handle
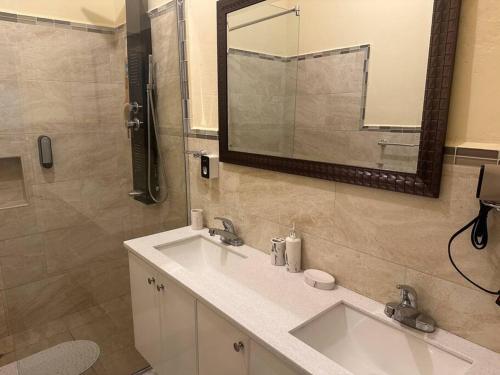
x=408 y=296
x=228 y=224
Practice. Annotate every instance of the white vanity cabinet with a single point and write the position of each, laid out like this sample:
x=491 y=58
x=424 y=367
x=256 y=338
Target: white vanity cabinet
x=164 y=321
x=263 y=362
x=222 y=349
x=145 y=310
x=170 y=326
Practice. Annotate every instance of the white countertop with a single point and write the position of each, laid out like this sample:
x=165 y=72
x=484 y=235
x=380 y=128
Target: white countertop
x=267 y=302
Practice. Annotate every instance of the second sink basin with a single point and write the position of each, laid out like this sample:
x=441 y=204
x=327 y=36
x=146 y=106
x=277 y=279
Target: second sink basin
x=367 y=346
x=199 y=255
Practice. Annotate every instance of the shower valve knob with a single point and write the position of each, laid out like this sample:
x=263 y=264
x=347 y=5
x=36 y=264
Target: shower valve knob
x=134 y=124
x=135 y=107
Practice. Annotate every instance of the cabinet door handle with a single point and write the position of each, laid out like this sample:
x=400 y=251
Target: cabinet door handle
x=238 y=346
x=160 y=287
x=151 y=280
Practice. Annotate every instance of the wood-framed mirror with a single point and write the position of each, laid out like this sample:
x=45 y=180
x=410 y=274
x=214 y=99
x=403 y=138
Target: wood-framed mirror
x=350 y=91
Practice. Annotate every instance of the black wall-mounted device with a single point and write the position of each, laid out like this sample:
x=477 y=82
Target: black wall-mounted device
x=209 y=166
x=488 y=193
x=45 y=152
x=488 y=189
x=139 y=48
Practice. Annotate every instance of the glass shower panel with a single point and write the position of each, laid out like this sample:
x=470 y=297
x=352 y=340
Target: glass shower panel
x=263 y=47
x=63 y=267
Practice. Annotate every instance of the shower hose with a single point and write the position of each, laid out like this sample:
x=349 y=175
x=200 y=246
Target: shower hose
x=153 y=115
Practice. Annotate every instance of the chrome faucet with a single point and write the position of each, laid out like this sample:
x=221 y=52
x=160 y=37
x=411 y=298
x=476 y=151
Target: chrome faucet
x=406 y=312
x=228 y=235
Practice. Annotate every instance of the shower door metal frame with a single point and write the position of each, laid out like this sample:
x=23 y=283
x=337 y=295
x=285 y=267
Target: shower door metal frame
x=427 y=180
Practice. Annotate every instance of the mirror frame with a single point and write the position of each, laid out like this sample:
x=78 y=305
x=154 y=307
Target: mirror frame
x=427 y=180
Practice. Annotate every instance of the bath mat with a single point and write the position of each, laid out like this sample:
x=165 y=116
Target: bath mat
x=69 y=358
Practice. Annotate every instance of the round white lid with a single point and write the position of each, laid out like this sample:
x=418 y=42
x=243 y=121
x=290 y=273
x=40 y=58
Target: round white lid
x=319 y=279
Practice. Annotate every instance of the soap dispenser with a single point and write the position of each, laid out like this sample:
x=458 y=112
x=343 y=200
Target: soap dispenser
x=293 y=252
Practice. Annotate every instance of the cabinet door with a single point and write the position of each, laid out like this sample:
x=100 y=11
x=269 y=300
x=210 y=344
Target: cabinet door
x=178 y=329
x=217 y=354
x=145 y=310
x=263 y=362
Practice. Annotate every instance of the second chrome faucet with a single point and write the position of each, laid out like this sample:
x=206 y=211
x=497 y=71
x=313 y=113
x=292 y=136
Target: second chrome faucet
x=406 y=312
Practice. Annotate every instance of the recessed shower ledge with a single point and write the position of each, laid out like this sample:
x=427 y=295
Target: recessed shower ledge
x=268 y=303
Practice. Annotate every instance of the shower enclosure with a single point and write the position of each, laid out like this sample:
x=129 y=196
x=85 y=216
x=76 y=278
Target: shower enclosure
x=63 y=269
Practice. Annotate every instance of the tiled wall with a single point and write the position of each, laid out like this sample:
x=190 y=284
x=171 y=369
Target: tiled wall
x=310 y=109
x=64 y=271
x=369 y=239
x=261 y=103
x=331 y=98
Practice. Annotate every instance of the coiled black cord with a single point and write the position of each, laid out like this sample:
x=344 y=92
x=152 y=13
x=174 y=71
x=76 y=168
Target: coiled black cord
x=479 y=239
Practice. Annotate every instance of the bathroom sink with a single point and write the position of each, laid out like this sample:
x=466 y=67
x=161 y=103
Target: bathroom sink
x=367 y=346
x=200 y=255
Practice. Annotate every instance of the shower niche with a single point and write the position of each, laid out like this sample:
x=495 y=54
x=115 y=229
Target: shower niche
x=12 y=185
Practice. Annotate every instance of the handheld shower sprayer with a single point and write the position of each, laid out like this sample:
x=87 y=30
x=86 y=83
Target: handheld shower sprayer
x=152 y=128
x=488 y=193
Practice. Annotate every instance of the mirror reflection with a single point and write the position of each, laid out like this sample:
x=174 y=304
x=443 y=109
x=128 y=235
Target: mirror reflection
x=335 y=81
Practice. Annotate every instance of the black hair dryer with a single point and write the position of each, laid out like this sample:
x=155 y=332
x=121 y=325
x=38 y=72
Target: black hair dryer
x=488 y=193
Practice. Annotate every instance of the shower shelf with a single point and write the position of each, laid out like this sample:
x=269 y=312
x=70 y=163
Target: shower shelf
x=12 y=184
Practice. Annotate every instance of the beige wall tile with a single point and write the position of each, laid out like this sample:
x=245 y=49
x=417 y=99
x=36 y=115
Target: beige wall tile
x=39 y=333
x=18 y=222
x=42 y=301
x=410 y=231
x=308 y=204
x=331 y=111
x=365 y=274
x=369 y=239
x=6 y=346
x=10 y=59
x=22 y=260
x=110 y=102
x=4 y=328
x=59 y=205
x=47 y=59
x=77 y=246
x=103 y=281
x=174 y=159
x=83 y=317
x=10 y=104
x=70 y=154
x=466 y=312
x=47 y=106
